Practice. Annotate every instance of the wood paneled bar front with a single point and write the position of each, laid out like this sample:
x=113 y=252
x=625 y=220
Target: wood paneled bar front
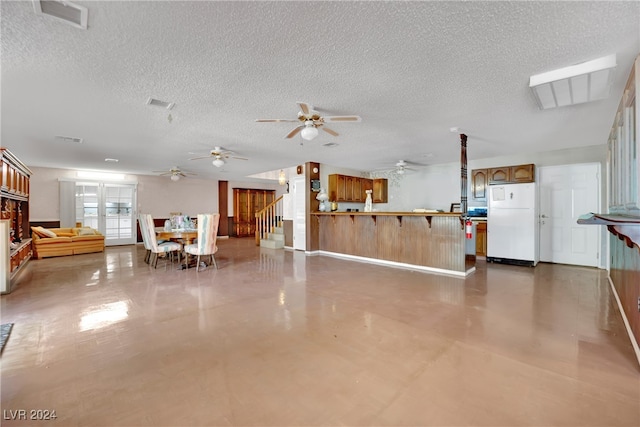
x=433 y=242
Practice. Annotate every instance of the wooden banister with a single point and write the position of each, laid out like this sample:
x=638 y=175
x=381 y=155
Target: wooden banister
x=267 y=218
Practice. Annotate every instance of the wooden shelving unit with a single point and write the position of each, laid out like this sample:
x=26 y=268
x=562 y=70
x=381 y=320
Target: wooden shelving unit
x=14 y=218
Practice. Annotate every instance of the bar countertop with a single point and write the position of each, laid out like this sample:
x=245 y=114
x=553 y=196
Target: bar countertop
x=457 y=214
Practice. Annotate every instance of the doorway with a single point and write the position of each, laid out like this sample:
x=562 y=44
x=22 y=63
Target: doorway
x=109 y=208
x=566 y=192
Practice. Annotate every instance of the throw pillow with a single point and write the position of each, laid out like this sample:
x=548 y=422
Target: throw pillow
x=86 y=232
x=43 y=232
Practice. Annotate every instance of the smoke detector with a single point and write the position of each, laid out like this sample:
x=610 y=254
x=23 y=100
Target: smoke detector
x=63 y=10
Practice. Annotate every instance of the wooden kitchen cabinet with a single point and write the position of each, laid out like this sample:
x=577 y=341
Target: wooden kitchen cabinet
x=380 y=190
x=479 y=182
x=523 y=173
x=512 y=174
x=345 y=188
x=356 y=189
x=337 y=188
x=481 y=238
x=500 y=175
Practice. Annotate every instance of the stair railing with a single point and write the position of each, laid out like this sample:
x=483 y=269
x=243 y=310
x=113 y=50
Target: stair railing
x=268 y=218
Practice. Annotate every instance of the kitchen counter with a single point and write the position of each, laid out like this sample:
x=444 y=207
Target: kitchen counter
x=427 y=241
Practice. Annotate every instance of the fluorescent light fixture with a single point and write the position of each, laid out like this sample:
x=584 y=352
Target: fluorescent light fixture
x=588 y=81
x=100 y=175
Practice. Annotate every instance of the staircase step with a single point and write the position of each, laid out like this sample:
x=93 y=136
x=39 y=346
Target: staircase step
x=273 y=244
x=277 y=237
x=278 y=230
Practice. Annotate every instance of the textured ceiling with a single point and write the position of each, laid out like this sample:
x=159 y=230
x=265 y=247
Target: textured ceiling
x=411 y=70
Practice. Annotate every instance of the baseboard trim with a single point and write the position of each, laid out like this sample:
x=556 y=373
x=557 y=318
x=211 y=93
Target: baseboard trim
x=632 y=337
x=402 y=265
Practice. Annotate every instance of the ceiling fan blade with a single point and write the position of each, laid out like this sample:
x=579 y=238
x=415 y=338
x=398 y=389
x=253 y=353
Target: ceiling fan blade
x=294 y=132
x=304 y=107
x=329 y=131
x=329 y=119
x=201 y=157
x=238 y=158
x=276 y=120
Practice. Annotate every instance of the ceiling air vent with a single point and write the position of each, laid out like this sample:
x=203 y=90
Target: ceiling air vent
x=158 y=103
x=68 y=139
x=66 y=11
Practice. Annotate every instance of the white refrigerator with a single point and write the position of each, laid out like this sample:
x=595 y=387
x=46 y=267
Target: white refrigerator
x=512 y=224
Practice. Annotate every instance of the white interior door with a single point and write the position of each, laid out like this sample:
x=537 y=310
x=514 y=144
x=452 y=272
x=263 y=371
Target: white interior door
x=299 y=213
x=566 y=192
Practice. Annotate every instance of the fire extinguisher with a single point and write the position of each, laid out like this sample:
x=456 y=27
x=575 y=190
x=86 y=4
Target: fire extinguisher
x=469 y=228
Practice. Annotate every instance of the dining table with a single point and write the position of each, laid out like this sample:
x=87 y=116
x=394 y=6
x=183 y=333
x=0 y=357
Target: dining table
x=187 y=235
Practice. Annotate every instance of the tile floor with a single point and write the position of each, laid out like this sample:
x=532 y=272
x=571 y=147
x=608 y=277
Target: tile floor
x=275 y=338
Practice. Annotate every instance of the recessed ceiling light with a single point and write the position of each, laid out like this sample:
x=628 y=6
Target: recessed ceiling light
x=158 y=103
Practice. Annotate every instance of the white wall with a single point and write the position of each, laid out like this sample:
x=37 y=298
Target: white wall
x=156 y=195
x=159 y=196
x=437 y=186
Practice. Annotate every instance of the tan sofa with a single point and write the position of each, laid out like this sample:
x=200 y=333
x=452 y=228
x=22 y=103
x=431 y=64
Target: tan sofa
x=68 y=241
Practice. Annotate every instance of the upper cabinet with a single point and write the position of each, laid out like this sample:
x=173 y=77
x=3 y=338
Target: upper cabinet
x=523 y=173
x=479 y=182
x=345 y=188
x=380 y=190
x=500 y=175
x=512 y=174
x=624 y=144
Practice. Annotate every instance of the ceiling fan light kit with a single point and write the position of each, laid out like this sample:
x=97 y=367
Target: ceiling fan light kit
x=309 y=132
x=175 y=177
x=218 y=162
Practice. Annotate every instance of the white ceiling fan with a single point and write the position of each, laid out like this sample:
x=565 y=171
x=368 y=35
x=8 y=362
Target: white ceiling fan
x=175 y=173
x=402 y=167
x=219 y=156
x=311 y=121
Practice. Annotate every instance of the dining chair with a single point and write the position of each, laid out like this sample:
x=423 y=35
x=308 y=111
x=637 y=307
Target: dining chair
x=148 y=232
x=206 y=243
x=145 y=239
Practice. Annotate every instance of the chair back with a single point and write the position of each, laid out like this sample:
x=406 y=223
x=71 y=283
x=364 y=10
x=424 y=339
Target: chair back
x=207 y=233
x=148 y=232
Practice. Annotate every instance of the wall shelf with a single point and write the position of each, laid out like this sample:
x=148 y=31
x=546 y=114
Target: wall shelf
x=624 y=227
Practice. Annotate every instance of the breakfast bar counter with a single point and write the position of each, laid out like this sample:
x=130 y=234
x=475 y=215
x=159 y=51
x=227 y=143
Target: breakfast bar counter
x=428 y=241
